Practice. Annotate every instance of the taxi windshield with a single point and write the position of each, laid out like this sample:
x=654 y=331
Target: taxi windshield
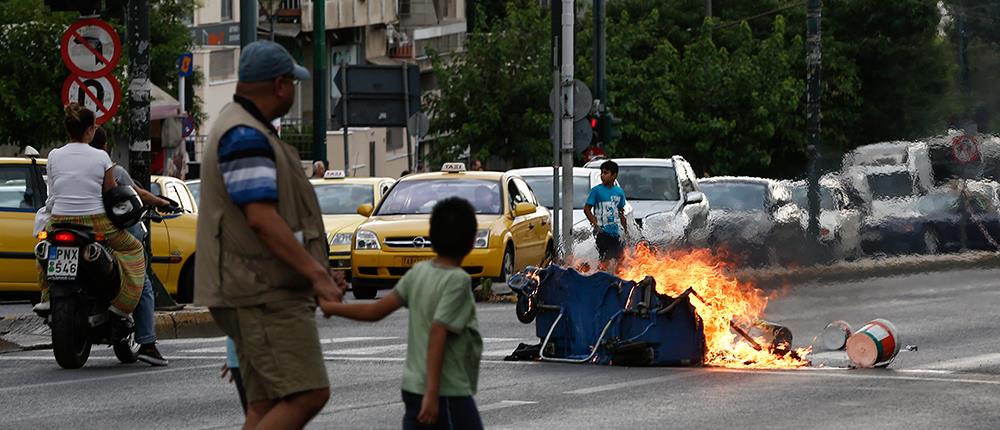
x=343 y=199
x=419 y=196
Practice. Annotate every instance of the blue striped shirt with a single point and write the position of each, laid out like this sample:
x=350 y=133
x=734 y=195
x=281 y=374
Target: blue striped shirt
x=246 y=161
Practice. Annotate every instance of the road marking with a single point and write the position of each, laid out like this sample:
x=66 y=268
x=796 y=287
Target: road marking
x=973 y=362
x=630 y=384
x=504 y=404
x=498 y=353
x=143 y=373
x=886 y=375
x=372 y=350
x=222 y=349
x=193 y=340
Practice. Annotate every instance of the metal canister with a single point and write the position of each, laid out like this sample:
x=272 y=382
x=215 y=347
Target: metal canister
x=835 y=335
x=874 y=345
x=777 y=336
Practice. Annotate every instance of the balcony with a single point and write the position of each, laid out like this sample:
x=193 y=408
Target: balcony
x=350 y=13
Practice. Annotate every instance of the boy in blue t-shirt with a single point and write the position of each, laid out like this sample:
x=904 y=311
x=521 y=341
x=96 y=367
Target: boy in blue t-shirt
x=605 y=209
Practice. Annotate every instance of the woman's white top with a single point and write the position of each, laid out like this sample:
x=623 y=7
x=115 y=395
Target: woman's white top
x=76 y=180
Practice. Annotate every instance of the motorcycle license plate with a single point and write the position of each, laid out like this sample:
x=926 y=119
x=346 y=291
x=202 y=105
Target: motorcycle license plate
x=63 y=263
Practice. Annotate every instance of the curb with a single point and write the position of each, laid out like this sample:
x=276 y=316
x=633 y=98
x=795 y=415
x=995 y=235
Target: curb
x=28 y=331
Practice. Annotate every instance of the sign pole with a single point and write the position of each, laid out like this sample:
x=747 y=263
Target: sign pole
x=343 y=82
x=556 y=15
x=567 y=110
x=321 y=79
x=813 y=93
x=180 y=92
x=406 y=110
x=138 y=91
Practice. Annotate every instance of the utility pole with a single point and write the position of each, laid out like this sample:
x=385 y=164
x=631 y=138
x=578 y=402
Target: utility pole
x=320 y=80
x=814 y=58
x=139 y=87
x=566 y=121
x=708 y=8
x=555 y=17
x=248 y=22
x=600 y=69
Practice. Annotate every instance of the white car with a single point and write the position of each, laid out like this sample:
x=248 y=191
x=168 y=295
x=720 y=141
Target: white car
x=540 y=181
x=839 y=219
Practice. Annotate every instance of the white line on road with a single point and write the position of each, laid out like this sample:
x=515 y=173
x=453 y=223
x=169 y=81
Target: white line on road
x=504 y=404
x=355 y=339
x=630 y=384
x=143 y=373
x=966 y=363
x=885 y=375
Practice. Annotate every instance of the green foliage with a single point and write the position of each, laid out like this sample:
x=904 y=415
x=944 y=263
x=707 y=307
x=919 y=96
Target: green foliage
x=494 y=98
x=30 y=42
x=726 y=94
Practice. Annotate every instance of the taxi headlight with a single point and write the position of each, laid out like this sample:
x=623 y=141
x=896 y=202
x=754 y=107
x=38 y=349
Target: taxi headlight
x=482 y=239
x=340 y=239
x=366 y=240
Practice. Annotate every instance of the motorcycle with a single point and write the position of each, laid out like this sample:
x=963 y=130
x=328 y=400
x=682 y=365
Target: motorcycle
x=83 y=278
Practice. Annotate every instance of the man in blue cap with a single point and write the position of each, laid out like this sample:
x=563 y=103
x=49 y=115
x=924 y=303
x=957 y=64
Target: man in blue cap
x=262 y=249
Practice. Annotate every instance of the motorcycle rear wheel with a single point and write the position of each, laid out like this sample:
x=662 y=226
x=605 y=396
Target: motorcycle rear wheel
x=70 y=343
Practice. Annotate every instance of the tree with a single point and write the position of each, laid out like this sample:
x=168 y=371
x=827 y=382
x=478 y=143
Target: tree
x=30 y=42
x=494 y=97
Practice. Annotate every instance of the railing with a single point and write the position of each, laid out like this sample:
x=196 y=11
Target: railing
x=289 y=8
x=442 y=45
x=298 y=132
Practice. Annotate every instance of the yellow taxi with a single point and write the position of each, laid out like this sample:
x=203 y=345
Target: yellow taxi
x=514 y=231
x=23 y=192
x=339 y=198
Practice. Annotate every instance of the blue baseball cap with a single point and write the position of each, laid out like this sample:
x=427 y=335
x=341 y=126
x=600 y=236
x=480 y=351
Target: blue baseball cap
x=265 y=60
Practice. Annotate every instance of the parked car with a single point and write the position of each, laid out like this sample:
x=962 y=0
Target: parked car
x=936 y=222
x=339 y=199
x=664 y=185
x=754 y=218
x=540 y=181
x=839 y=219
x=514 y=231
x=23 y=192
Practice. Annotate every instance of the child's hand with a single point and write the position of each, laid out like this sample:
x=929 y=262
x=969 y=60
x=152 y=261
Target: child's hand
x=339 y=279
x=227 y=371
x=328 y=307
x=428 y=410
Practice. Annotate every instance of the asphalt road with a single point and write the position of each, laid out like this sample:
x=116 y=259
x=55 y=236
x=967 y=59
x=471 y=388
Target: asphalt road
x=951 y=382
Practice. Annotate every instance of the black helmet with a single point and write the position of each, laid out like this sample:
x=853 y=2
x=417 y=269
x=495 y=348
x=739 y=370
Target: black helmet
x=123 y=206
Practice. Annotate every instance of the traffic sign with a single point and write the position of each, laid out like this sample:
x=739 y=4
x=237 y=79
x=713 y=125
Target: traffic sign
x=185 y=64
x=101 y=95
x=582 y=133
x=90 y=48
x=187 y=125
x=583 y=100
x=965 y=149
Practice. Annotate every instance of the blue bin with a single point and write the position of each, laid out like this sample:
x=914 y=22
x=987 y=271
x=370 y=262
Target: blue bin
x=603 y=319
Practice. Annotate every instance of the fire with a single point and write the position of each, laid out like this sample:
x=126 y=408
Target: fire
x=721 y=300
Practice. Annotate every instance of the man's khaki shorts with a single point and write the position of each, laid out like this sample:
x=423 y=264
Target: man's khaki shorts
x=278 y=347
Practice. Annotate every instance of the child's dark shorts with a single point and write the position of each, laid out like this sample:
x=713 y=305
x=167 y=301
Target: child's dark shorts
x=454 y=412
x=609 y=247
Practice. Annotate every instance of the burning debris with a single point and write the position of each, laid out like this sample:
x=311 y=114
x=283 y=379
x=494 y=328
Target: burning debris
x=609 y=319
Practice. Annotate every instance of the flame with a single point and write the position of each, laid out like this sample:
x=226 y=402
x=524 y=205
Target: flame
x=721 y=300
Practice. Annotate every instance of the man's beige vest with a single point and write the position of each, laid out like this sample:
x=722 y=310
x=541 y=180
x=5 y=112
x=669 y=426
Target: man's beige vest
x=233 y=266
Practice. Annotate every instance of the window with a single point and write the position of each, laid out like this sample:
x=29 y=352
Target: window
x=394 y=138
x=184 y=197
x=420 y=196
x=514 y=195
x=649 y=182
x=526 y=192
x=343 y=199
x=404 y=8
x=16 y=192
x=227 y=10
x=221 y=65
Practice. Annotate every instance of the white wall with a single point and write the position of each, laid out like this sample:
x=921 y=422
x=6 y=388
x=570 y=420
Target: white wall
x=210 y=12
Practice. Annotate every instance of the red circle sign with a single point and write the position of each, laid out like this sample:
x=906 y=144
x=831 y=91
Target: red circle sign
x=102 y=95
x=90 y=48
x=965 y=149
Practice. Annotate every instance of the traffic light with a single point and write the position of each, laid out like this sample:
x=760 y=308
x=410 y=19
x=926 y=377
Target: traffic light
x=595 y=126
x=613 y=127
x=85 y=7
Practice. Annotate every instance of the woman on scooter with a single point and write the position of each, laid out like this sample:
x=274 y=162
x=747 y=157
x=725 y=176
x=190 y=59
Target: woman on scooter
x=78 y=174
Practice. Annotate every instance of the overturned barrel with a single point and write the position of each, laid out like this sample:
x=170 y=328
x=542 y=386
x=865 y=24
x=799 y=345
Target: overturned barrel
x=873 y=345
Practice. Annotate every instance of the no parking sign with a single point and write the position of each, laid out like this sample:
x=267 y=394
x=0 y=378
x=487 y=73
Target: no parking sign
x=965 y=149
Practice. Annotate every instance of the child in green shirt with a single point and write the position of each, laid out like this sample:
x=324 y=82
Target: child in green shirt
x=443 y=342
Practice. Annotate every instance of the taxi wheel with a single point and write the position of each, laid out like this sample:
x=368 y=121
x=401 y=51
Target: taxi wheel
x=185 y=285
x=507 y=267
x=363 y=292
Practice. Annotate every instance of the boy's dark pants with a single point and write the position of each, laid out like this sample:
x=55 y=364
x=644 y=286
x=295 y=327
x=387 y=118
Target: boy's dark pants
x=453 y=413
x=608 y=246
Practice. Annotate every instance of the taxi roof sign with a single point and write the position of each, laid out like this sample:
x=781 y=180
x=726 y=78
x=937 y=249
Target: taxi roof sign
x=453 y=167
x=334 y=174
